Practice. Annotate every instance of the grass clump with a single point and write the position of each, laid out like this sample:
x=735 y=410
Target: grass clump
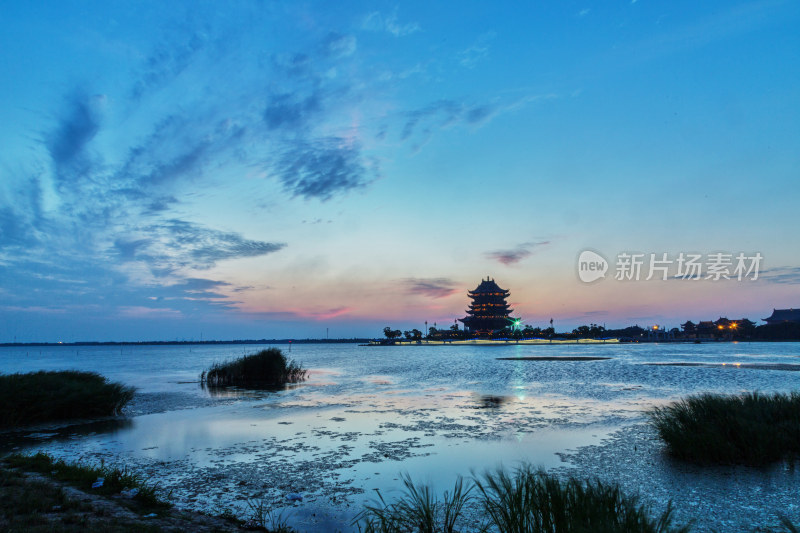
x=267 y=368
x=528 y=500
x=47 y=396
x=82 y=476
x=752 y=429
x=263 y=516
x=525 y=500
x=417 y=510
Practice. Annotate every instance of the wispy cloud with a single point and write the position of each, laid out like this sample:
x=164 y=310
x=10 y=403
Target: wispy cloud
x=77 y=125
x=321 y=168
x=120 y=169
x=478 y=51
x=286 y=111
x=175 y=244
x=420 y=124
x=337 y=46
x=784 y=275
x=377 y=21
x=168 y=59
x=515 y=255
x=430 y=287
x=148 y=312
x=320 y=314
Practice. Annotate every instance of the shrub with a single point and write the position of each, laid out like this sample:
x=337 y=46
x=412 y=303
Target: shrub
x=47 y=396
x=267 y=368
x=752 y=429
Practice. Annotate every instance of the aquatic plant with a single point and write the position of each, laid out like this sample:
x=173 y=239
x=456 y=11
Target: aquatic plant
x=267 y=368
x=417 y=510
x=46 y=396
x=524 y=500
x=788 y=525
x=264 y=516
x=529 y=500
x=751 y=428
x=84 y=476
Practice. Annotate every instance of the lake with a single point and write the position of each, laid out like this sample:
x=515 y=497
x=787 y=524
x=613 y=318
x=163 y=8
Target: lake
x=368 y=414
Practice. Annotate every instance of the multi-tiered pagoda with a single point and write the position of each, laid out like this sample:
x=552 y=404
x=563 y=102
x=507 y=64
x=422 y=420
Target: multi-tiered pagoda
x=488 y=311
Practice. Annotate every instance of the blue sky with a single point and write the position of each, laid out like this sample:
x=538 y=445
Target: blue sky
x=266 y=169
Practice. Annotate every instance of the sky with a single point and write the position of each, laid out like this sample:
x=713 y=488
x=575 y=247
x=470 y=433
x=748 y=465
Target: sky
x=254 y=169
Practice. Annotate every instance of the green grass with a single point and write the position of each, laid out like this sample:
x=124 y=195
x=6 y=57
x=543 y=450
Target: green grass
x=267 y=368
x=752 y=429
x=82 y=476
x=51 y=396
x=418 y=510
x=529 y=500
x=33 y=506
x=263 y=516
x=522 y=501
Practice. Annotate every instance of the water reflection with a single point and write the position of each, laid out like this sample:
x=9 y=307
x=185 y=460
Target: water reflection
x=223 y=392
x=489 y=401
x=25 y=438
x=360 y=419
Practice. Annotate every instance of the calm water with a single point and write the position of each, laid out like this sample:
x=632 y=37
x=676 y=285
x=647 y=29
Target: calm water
x=369 y=413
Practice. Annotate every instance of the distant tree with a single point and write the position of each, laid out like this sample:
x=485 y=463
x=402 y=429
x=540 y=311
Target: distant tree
x=413 y=335
x=391 y=333
x=596 y=331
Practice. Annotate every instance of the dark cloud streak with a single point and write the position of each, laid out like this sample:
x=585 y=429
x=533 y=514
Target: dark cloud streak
x=181 y=244
x=782 y=275
x=517 y=254
x=322 y=168
x=430 y=287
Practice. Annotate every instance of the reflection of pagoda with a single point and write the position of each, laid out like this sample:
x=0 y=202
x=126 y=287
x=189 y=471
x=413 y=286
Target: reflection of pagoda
x=488 y=311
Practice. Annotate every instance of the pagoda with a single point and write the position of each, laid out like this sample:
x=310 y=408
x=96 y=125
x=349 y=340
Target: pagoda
x=488 y=311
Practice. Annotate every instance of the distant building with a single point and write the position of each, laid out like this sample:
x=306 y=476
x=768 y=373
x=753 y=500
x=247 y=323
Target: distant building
x=780 y=316
x=722 y=327
x=489 y=310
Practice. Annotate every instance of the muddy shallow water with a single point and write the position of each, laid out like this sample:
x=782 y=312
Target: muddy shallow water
x=368 y=414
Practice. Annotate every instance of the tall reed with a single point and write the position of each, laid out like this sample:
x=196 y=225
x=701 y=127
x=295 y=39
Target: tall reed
x=751 y=428
x=417 y=510
x=528 y=500
x=267 y=368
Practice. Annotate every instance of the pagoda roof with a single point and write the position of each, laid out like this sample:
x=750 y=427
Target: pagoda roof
x=488 y=285
x=784 y=315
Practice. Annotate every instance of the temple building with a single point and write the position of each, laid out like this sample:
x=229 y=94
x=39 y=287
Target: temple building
x=489 y=310
x=723 y=326
x=779 y=316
